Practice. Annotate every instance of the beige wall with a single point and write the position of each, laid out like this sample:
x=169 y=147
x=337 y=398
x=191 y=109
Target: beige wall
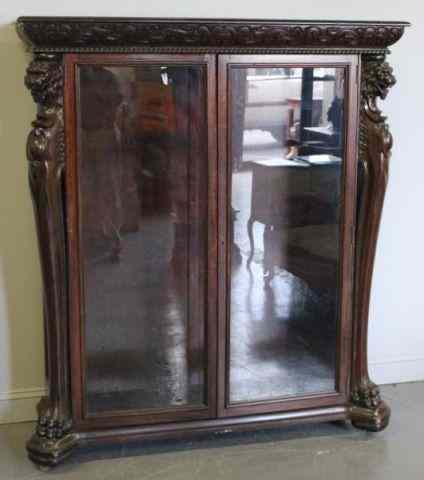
x=396 y=332
x=21 y=343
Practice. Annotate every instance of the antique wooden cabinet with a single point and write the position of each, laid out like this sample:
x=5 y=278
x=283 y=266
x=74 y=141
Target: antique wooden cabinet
x=207 y=196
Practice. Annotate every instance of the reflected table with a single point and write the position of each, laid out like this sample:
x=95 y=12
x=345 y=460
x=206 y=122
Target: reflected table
x=298 y=201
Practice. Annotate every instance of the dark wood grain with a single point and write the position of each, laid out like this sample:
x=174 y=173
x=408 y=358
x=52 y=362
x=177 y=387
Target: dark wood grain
x=62 y=33
x=220 y=426
x=53 y=438
x=77 y=316
x=55 y=183
x=375 y=142
x=348 y=208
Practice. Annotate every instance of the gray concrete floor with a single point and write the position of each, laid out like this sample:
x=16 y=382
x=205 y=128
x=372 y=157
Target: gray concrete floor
x=324 y=451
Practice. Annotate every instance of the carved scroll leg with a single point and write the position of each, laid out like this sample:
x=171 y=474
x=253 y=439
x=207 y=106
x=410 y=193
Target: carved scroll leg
x=368 y=410
x=53 y=439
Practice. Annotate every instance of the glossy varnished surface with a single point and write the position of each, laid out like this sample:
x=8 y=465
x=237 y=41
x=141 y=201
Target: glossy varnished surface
x=286 y=182
x=51 y=147
x=142 y=169
x=108 y=33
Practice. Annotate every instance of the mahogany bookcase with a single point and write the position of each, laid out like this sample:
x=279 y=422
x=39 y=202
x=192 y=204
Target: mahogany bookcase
x=207 y=196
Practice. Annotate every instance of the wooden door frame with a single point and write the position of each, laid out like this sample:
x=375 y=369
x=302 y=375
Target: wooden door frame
x=347 y=222
x=82 y=421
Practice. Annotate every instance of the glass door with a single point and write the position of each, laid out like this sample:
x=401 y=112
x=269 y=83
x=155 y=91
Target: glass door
x=141 y=177
x=287 y=177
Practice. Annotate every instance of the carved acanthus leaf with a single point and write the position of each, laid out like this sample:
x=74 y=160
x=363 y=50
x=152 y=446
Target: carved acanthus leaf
x=89 y=33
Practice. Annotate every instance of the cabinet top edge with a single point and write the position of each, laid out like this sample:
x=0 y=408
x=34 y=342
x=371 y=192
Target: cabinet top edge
x=46 y=33
x=37 y=18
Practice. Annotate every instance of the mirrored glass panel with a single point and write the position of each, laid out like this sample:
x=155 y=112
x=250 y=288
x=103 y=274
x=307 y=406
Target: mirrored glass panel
x=142 y=173
x=286 y=178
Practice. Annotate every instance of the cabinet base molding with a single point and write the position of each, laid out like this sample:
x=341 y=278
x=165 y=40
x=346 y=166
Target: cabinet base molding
x=47 y=453
x=218 y=425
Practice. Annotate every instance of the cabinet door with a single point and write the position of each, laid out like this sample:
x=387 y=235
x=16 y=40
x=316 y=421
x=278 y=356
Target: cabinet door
x=287 y=149
x=142 y=235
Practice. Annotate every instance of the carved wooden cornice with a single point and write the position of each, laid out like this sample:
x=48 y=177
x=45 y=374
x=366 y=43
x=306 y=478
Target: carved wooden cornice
x=126 y=34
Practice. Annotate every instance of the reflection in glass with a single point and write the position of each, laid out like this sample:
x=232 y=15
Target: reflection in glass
x=287 y=151
x=142 y=179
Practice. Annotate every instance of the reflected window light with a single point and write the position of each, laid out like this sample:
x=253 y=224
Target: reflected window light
x=164 y=75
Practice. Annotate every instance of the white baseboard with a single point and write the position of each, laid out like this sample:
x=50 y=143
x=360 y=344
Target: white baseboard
x=397 y=371
x=20 y=405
